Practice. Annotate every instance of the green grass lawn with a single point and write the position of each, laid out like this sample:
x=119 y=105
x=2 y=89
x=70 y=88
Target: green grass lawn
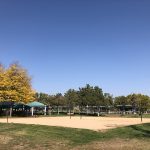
x=19 y=136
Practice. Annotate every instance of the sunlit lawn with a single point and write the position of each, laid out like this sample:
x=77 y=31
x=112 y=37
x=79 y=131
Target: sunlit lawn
x=19 y=136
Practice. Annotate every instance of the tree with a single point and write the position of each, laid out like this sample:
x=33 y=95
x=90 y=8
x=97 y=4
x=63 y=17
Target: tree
x=59 y=101
x=98 y=96
x=143 y=102
x=108 y=99
x=90 y=96
x=132 y=99
x=15 y=84
x=72 y=99
x=3 y=83
x=139 y=102
x=121 y=100
x=43 y=98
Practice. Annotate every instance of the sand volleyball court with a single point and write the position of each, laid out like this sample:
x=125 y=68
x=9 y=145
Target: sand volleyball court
x=92 y=123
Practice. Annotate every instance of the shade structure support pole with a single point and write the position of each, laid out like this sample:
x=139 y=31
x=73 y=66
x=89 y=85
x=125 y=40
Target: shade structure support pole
x=45 y=110
x=10 y=114
x=32 y=111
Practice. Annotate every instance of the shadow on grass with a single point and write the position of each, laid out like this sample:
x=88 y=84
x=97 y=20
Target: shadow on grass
x=143 y=130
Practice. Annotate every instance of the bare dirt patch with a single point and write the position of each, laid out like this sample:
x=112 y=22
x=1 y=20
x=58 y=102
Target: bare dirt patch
x=92 y=123
x=21 y=133
x=116 y=144
x=51 y=145
x=18 y=147
x=5 y=139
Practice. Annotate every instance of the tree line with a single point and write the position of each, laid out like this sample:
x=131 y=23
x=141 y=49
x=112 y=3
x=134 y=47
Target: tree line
x=94 y=96
x=88 y=95
x=15 y=86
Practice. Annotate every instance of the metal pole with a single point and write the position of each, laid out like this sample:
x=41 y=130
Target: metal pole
x=7 y=115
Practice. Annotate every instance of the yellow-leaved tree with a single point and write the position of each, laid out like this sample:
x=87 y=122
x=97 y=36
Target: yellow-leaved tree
x=15 y=84
x=3 y=84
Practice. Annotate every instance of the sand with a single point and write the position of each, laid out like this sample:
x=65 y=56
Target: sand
x=92 y=123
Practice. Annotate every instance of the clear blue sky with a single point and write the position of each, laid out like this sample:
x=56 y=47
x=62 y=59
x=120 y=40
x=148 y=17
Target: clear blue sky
x=68 y=43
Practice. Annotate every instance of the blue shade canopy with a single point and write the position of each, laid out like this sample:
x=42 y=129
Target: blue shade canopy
x=35 y=104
